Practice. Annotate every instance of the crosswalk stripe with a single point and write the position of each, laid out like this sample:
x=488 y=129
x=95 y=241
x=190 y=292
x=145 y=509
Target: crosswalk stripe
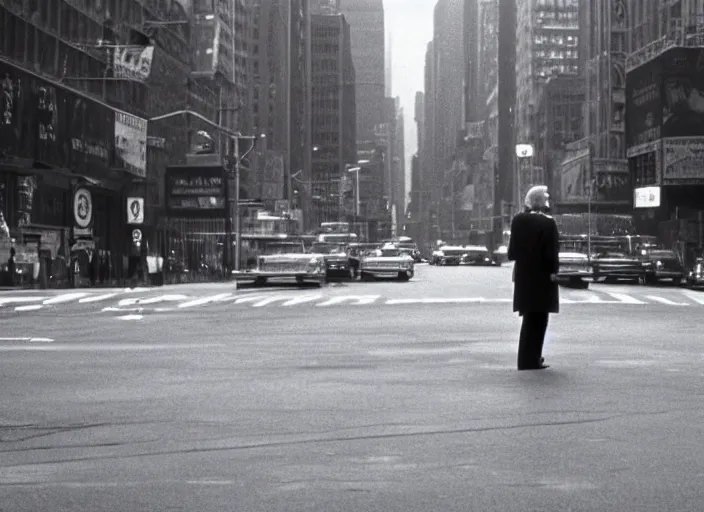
x=66 y=297
x=356 y=300
x=250 y=298
x=450 y=300
x=204 y=300
x=32 y=307
x=302 y=300
x=624 y=298
x=21 y=300
x=694 y=296
x=663 y=300
x=97 y=298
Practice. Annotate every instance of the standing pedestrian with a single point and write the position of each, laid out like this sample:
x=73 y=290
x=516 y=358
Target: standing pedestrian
x=534 y=246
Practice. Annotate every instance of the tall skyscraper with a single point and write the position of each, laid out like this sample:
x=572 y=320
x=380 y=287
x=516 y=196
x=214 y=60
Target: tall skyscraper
x=388 y=66
x=366 y=20
x=333 y=118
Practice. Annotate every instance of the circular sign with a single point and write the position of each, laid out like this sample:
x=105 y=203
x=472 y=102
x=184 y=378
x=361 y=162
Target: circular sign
x=137 y=235
x=82 y=207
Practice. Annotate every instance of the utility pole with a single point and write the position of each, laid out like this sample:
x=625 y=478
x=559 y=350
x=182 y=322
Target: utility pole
x=503 y=176
x=238 y=220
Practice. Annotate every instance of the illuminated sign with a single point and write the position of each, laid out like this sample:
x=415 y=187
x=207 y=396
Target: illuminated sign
x=646 y=197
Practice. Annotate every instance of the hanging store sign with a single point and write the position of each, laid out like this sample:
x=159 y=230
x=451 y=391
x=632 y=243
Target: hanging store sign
x=646 y=197
x=82 y=212
x=195 y=190
x=683 y=161
x=131 y=143
x=133 y=62
x=135 y=210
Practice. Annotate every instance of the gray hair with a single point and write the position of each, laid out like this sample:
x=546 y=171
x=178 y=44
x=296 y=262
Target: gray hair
x=536 y=196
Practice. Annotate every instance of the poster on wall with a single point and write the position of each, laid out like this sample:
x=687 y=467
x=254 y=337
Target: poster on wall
x=683 y=93
x=683 y=161
x=131 y=143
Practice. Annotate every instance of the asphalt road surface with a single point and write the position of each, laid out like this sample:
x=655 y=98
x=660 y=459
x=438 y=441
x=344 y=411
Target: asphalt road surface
x=367 y=396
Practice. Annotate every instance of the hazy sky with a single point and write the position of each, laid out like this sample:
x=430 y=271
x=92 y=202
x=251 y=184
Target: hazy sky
x=409 y=24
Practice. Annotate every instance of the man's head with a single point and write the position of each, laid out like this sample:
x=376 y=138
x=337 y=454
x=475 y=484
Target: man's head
x=538 y=199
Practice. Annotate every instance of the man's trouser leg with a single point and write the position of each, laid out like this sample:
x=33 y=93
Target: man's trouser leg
x=532 y=337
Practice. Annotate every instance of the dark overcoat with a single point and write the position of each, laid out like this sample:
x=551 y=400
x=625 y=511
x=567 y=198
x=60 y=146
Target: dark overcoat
x=535 y=247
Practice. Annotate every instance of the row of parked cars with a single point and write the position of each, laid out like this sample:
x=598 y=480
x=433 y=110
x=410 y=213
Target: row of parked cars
x=466 y=255
x=327 y=261
x=646 y=263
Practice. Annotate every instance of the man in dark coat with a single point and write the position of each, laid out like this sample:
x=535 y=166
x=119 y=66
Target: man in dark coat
x=535 y=248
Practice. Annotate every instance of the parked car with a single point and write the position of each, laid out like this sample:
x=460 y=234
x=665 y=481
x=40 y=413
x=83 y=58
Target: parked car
x=695 y=276
x=388 y=262
x=575 y=268
x=338 y=264
x=662 y=265
x=300 y=267
x=449 y=255
x=613 y=266
x=479 y=256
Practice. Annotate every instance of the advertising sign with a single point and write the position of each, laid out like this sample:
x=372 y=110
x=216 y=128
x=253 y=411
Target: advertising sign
x=82 y=212
x=644 y=104
x=133 y=62
x=131 y=143
x=574 y=176
x=683 y=161
x=195 y=191
x=135 y=210
x=683 y=92
x=646 y=197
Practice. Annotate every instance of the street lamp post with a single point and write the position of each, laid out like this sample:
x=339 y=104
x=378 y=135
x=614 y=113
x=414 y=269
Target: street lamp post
x=355 y=170
x=238 y=217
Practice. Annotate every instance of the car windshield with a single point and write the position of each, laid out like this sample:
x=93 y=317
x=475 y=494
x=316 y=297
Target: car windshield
x=282 y=248
x=389 y=253
x=327 y=248
x=662 y=254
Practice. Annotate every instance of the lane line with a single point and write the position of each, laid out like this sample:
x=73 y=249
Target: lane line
x=33 y=307
x=356 y=300
x=663 y=300
x=130 y=317
x=452 y=300
x=62 y=299
x=29 y=340
x=21 y=300
x=105 y=348
x=97 y=298
x=204 y=300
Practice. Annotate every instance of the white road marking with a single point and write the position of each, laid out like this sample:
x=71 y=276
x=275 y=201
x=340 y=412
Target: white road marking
x=694 y=296
x=20 y=300
x=136 y=290
x=450 y=300
x=251 y=298
x=97 y=298
x=130 y=317
x=113 y=309
x=29 y=340
x=289 y=300
x=303 y=299
x=663 y=300
x=356 y=300
x=104 y=348
x=33 y=307
x=163 y=298
x=624 y=298
x=204 y=300
x=62 y=299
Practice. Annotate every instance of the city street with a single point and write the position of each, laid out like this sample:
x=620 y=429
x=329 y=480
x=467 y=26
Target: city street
x=380 y=396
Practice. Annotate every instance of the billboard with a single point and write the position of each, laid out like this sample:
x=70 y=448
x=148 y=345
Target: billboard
x=574 y=177
x=683 y=161
x=683 y=96
x=195 y=191
x=646 y=197
x=131 y=143
x=644 y=104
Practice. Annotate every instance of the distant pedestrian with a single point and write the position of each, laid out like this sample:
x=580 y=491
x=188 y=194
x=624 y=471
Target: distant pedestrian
x=534 y=246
